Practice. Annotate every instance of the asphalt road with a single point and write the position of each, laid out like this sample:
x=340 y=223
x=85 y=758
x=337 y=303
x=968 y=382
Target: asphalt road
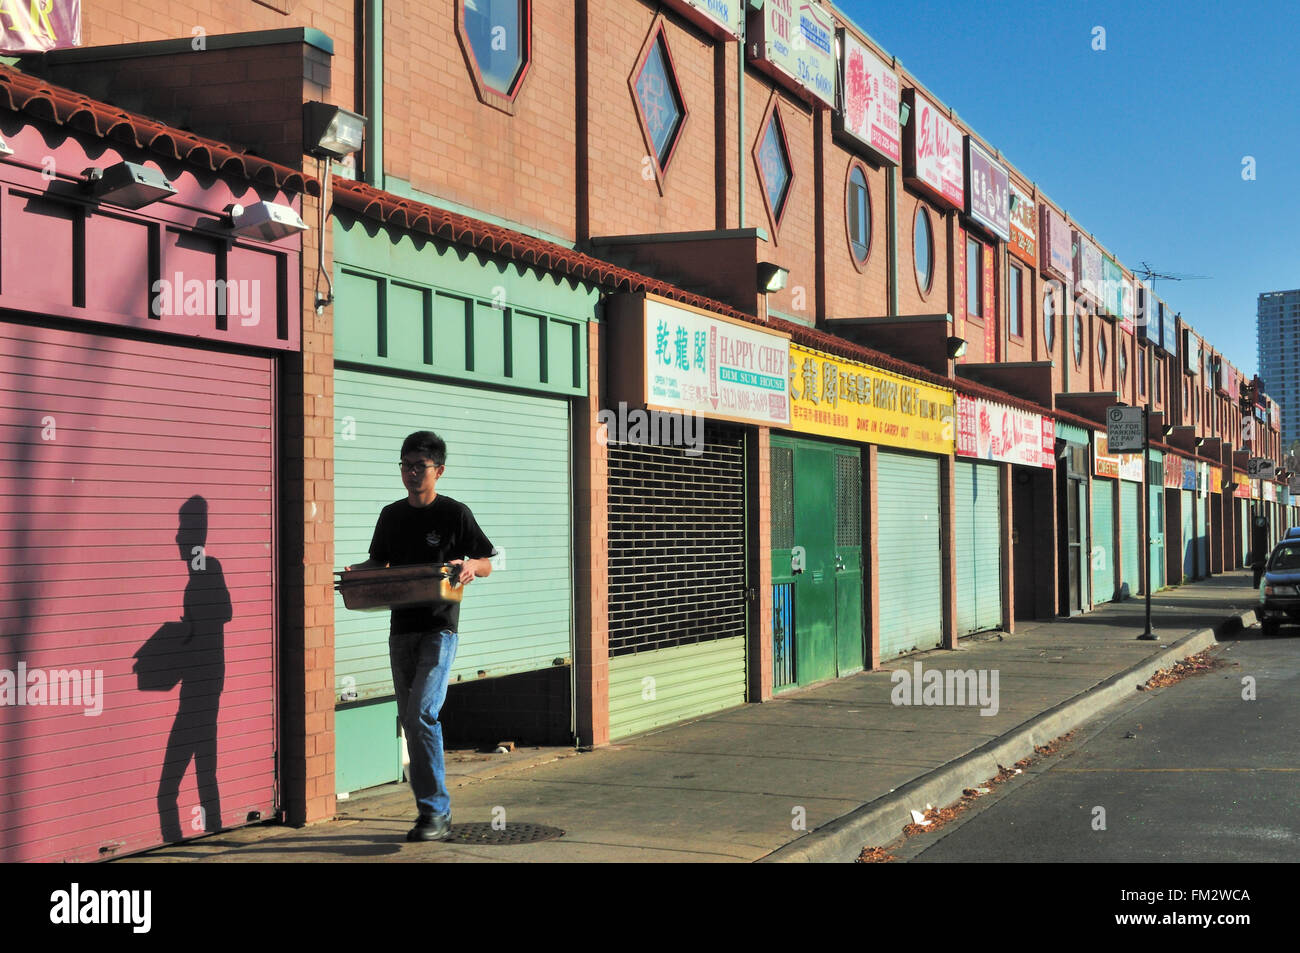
x=1189 y=772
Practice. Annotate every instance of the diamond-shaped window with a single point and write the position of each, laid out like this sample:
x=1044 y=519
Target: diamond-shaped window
x=774 y=161
x=1101 y=352
x=497 y=33
x=659 y=100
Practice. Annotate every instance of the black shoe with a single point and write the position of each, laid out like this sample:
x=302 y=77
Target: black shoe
x=430 y=827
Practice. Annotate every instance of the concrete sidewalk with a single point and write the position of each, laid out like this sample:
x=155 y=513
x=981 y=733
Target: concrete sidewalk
x=731 y=786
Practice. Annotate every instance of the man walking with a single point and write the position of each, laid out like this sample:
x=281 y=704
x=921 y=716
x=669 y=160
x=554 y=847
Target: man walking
x=426 y=528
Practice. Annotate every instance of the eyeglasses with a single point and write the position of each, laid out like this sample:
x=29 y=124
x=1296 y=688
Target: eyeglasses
x=418 y=469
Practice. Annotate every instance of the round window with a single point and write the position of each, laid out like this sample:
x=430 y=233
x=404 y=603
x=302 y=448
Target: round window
x=1049 y=320
x=923 y=249
x=858 y=215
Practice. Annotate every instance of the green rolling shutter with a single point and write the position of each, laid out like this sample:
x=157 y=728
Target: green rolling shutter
x=1203 y=535
x=1130 y=537
x=907 y=553
x=508 y=461
x=978 y=531
x=1103 y=545
x=1156 y=514
x=1188 y=541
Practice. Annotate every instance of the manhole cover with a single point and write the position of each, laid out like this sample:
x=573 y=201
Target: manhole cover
x=487 y=835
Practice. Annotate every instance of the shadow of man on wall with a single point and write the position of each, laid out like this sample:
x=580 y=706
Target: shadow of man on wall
x=191 y=652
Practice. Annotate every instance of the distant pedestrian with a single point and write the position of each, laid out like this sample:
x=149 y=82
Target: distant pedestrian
x=1259 y=547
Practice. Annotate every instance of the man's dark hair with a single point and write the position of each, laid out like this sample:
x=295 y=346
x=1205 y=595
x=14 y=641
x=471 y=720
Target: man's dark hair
x=428 y=443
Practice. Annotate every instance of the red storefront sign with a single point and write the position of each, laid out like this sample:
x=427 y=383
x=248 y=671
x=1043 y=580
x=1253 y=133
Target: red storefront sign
x=871 y=93
x=932 y=152
x=991 y=341
x=1024 y=229
x=991 y=431
x=959 y=284
x=1173 y=472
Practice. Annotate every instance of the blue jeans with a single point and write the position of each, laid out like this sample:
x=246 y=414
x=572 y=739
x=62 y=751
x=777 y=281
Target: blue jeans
x=421 y=670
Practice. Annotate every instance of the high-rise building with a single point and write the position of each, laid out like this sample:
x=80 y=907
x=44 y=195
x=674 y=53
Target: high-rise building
x=1278 y=334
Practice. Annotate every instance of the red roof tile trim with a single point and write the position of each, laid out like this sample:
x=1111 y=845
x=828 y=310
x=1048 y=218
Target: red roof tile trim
x=20 y=92
x=498 y=240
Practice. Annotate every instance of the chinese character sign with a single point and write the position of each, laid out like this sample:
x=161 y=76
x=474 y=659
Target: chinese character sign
x=989 y=431
x=1024 y=230
x=703 y=364
x=871 y=100
x=40 y=25
x=838 y=398
x=933 y=153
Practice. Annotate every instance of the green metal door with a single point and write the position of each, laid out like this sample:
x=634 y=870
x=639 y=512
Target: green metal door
x=1130 y=502
x=1188 y=542
x=849 y=648
x=814 y=588
x=977 y=526
x=508 y=461
x=816 y=561
x=1103 y=545
x=1156 y=514
x=1203 y=536
x=907 y=553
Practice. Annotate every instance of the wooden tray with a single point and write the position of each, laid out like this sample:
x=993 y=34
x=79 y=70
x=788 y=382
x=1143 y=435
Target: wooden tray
x=398 y=587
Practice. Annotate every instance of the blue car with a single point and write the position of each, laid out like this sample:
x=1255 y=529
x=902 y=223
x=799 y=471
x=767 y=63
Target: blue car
x=1279 y=590
x=1292 y=533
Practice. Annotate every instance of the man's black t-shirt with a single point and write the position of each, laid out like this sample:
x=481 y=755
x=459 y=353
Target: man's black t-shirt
x=407 y=535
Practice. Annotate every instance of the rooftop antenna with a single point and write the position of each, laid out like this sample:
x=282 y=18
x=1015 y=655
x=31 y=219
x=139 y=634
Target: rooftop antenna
x=1153 y=276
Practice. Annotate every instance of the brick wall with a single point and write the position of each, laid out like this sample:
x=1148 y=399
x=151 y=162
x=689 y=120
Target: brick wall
x=793 y=243
x=591 y=555
x=911 y=299
x=627 y=196
x=853 y=289
x=442 y=139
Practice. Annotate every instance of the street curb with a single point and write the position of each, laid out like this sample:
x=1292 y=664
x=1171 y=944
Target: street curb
x=882 y=820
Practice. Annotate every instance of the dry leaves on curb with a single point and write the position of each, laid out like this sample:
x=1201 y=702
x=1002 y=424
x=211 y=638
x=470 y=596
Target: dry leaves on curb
x=1192 y=665
x=875 y=855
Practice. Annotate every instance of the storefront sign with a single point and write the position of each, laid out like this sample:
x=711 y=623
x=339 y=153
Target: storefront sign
x=1216 y=479
x=1270 y=491
x=1122 y=466
x=871 y=94
x=1241 y=486
x=1087 y=267
x=1168 y=329
x=932 y=152
x=839 y=398
x=1128 y=305
x=1024 y=228
x=1112 y=287
x=992 y=337
x=722 y=18
x=1173 y=471
x=795 y=42
x=1058 y=259
x=1294 y=484
x=1191 y=352
x=1189 y=475
x=989 y=431
x=1148 y=314
x=696 y=362
x=37 y=27
x=988 y=190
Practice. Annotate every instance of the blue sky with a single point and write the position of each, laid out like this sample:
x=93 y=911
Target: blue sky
x=1142 y=142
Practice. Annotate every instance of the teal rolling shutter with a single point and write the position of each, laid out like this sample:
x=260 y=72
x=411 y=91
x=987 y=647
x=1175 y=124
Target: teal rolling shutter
x=1103 y=545
x=978 y=530
x=1130 y=538
x=1203 y=535
x=907 y=553
x=1188 y=541
x=508 y=461
x=1156 y=514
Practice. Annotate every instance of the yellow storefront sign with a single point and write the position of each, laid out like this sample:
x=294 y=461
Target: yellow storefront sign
x=838 y=398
